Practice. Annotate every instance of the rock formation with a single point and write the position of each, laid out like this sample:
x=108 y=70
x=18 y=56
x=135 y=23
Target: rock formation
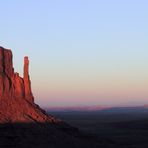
x=12 y=85
x=27 y=83
x=6 y=73
x=16 y=99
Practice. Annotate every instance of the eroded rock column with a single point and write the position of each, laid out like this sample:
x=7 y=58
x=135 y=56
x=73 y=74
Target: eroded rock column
x=27 y=83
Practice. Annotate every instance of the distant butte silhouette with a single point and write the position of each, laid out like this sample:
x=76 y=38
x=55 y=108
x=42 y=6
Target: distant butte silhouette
x=16 y=98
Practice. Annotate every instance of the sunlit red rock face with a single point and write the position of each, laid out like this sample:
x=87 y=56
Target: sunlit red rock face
x=12 y=85
x=16 y=99
x=6 y=73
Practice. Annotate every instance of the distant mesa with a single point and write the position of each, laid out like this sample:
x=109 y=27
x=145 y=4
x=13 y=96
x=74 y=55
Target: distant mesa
x=16 y=98
x=79 y=108
x=145 y=105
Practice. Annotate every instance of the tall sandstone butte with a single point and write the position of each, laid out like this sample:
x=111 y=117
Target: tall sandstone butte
x=12 y=85
x=16 y=98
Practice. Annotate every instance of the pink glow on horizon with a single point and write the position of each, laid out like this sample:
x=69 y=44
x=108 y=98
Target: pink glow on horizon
x=96 y=91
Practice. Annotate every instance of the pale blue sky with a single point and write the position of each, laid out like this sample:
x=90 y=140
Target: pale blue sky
x=82 y=52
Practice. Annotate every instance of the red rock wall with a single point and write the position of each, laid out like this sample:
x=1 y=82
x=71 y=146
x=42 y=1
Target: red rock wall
x=11 y=84
x=6 y=72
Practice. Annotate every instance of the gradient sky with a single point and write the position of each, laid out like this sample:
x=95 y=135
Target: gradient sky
x=82 y=52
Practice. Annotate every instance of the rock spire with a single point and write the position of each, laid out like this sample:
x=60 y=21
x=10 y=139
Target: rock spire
x=27 y=82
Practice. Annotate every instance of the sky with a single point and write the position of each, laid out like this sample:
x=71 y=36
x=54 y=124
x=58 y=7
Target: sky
x=82 y=52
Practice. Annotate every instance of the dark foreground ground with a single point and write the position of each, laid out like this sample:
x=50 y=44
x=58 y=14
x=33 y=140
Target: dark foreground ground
x=114 y=128
x=37 y=135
